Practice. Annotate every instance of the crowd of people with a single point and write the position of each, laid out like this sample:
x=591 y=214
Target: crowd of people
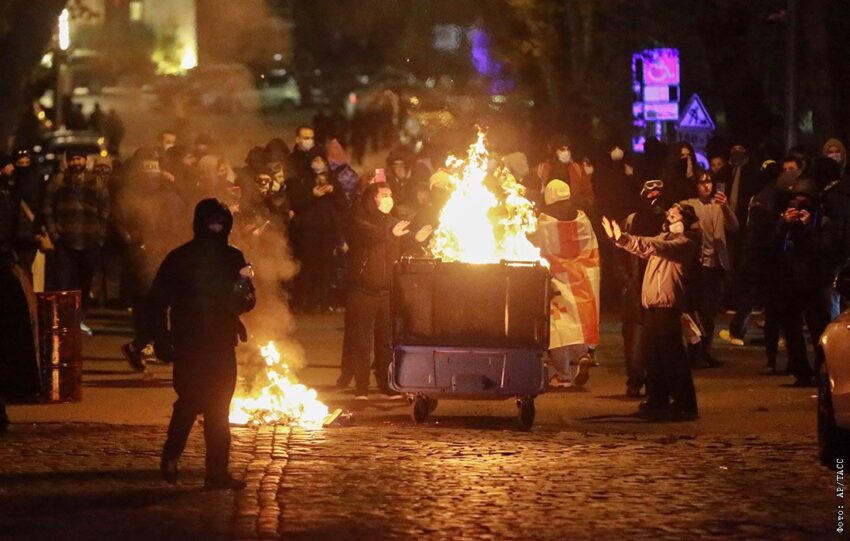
x=744 y=234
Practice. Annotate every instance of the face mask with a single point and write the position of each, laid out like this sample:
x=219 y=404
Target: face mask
x=318 y=167
x=835 y=156
x=307 y=144
x=677 y=227
x=564 y=156
x=617 y=154
x=385 y=205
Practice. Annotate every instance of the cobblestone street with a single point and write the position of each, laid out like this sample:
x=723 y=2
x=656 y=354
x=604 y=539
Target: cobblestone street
x=747 y=469
x=404 y=482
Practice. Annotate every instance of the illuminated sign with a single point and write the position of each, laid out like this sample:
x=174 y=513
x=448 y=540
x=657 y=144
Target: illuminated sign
x=660 y=66
x=661 y=111
x=696 y=117
x=655 y=83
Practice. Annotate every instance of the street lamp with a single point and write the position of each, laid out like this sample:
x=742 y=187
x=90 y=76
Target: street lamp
x=64 y=30
x=61 y=67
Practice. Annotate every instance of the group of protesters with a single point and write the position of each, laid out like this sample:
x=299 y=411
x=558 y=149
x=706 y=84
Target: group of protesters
x=770 y=235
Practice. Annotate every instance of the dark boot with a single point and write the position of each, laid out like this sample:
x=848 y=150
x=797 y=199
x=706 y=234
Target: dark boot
x=223 y=481
x=168 y=469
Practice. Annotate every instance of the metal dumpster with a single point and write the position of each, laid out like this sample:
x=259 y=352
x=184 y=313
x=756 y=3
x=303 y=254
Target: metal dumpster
x=469 y=331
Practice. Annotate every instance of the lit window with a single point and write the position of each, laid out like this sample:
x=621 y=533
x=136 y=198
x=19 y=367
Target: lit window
x=137 y=10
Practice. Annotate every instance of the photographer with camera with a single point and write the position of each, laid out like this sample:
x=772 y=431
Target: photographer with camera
x=795 y=294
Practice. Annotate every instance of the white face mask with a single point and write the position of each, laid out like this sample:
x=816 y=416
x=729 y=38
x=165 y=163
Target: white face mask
x=677 y=227
x=307 y=144
x=564 y=156
x=385 y=204
x=617 y=154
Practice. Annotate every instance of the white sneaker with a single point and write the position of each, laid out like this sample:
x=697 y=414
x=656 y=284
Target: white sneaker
x=85 y=329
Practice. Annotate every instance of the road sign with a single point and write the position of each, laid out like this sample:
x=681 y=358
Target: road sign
x=661 y=111
x=695 y=117
x=697 y=139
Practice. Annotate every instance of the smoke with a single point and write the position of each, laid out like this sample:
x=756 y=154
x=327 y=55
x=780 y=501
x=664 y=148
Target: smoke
x=266 y=247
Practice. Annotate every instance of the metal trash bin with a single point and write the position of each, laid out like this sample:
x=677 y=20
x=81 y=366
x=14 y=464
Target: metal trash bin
x=469 y=331
x=61 y=345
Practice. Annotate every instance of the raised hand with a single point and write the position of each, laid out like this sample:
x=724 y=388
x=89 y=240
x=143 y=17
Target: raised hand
x=400 y=229
x=424 y=233
x=617 y=231
x=606 y=225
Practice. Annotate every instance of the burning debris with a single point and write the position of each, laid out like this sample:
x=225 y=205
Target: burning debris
x=282 y=400
x=487 y=217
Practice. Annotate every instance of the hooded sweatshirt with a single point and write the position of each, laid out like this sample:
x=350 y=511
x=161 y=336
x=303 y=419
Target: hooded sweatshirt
x=841 y=148
x=196 y=282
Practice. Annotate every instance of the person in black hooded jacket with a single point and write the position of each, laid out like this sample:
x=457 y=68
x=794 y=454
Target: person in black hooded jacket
x=197 y=296
x=375 y=239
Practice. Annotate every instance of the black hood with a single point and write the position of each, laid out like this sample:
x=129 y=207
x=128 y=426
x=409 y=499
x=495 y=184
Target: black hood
x=204 y=211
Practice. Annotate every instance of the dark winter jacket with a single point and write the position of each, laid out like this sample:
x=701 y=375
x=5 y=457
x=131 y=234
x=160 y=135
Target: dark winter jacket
x=19 y=357
x=373 y=249
x=320 y=215
x=197 y=283
x=30 y=190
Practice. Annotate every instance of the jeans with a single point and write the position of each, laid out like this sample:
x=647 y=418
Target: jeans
x=562 y=356
x=367 y=327
x=711 y=284
x=75 y=270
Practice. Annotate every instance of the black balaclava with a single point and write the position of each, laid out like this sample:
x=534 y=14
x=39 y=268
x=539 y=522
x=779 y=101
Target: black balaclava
x=207 y=212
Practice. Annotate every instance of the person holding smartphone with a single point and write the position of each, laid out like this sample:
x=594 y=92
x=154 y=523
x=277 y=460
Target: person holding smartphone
x=716 y=220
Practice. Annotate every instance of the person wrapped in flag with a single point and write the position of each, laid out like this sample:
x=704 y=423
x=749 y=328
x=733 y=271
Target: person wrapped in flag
x=566 y=239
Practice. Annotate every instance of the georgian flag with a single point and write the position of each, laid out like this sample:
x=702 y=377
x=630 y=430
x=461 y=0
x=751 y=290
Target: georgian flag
x=573 y=254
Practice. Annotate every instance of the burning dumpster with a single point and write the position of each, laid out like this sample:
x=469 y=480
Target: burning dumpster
x=475 y=331
x=473 y=322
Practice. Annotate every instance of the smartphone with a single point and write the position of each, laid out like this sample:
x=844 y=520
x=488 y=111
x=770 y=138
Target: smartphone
x=720 y=187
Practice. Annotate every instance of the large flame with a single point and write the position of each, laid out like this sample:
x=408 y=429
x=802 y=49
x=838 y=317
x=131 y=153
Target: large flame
x=478 y=225
x=282 y=401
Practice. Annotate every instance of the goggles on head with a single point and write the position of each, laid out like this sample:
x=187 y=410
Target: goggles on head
x=652 y=185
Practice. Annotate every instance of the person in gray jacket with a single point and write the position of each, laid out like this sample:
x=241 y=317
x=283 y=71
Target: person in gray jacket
x=669 y=385
x=716 y=219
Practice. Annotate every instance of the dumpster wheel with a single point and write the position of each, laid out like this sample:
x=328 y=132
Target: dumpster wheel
x=525 y=412
x=432 y=405
x=421 y=408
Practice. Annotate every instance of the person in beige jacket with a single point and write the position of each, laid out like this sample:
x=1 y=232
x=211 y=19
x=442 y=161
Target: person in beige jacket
x=716 y=220
x=669 y=385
